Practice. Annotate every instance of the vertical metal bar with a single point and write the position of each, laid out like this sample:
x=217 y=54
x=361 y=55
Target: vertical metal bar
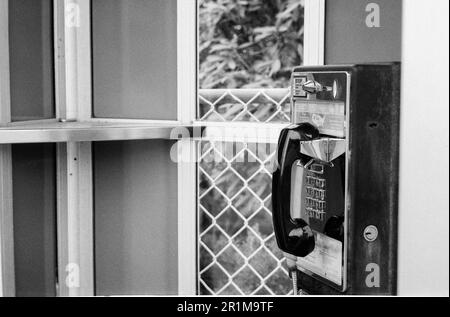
x=187 y=169
x=5 y=98
x=314 y=39
x=75 y=188
x=84 y=83
x=75 y=221
x=60 y=58
x=7 y=275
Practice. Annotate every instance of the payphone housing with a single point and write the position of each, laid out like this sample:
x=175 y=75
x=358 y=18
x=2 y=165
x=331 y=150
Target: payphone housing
x=335 y=188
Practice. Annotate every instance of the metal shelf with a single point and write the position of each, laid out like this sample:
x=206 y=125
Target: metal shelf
x=58 y=132
x=95 y=130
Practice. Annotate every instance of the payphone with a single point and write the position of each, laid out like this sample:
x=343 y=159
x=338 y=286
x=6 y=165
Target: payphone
x=335 y=187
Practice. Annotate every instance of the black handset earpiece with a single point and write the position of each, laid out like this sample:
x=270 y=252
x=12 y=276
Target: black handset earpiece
x=308 y=132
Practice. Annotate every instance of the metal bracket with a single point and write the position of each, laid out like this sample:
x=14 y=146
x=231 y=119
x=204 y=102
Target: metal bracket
x=325 y=150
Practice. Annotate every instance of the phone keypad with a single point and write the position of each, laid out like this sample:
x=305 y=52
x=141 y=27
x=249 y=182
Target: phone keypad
x=315 y=200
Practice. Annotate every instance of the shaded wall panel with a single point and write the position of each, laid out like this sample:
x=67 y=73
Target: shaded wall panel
x=135 y=58
x=349 y=40
x=135 y=218
x=34 y=208
x=31 y=59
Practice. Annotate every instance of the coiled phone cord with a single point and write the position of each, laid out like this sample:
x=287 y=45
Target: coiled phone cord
x=291 y=262
x=294 y=282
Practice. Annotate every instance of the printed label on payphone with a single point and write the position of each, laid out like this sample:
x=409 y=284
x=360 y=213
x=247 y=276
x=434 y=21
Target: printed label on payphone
x=325 y=260
x=328 y=117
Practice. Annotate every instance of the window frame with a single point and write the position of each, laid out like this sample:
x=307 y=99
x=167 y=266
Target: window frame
x=74 y=129
x=245 y=132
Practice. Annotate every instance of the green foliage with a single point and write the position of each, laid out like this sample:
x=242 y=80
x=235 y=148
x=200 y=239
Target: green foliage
x=249 y=43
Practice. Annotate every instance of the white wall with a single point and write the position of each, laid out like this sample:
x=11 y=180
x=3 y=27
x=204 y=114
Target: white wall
x=424 y=207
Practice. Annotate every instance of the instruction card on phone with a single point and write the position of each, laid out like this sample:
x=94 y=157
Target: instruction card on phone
x=326 y=259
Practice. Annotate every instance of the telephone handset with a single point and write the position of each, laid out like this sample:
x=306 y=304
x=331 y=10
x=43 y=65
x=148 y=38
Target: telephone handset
x=294 y=236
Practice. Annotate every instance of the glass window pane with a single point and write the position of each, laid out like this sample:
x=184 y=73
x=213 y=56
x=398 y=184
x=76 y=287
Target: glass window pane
x=31 y=59
x=238 y=251
x=252 y=45
x=134 y=59
x=249 y=44
x=247 y=50
x=34 y=207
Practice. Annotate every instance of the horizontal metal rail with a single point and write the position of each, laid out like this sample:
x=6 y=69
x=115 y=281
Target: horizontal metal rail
x=92 y=131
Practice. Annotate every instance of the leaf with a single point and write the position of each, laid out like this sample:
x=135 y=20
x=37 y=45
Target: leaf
x=220 y=47
x=265 y=29
x=214 y=58
x=285 y=14
x=276 y=66
x=232 y=65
